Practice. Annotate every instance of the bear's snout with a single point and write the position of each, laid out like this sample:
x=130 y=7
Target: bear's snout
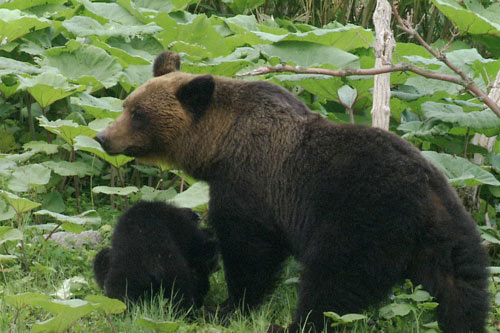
x=101 y=138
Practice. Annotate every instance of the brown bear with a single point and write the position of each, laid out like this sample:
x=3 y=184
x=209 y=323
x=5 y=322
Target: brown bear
x=154 y=247
x=359 y=207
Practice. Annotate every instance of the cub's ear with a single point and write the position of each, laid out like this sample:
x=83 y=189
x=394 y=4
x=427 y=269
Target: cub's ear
x=166 y=62
x=196 y=95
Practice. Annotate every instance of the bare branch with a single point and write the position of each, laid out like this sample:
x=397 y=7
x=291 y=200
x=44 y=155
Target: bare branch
x=466 y=82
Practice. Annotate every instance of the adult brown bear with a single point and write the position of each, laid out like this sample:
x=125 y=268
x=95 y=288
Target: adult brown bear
x=359 y=207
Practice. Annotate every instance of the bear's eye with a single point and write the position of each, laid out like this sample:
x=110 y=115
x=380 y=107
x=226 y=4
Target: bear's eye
x=138 y=114
x=139 y=117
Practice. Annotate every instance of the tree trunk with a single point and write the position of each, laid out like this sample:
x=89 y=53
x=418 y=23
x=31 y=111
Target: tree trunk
x=384 y=45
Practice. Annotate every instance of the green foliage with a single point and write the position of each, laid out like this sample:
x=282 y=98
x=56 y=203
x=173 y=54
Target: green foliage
x=66 y=66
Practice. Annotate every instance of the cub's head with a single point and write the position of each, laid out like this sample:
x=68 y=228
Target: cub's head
x=159 y=115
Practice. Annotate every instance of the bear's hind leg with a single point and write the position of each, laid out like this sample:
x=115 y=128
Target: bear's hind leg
x=456 y=275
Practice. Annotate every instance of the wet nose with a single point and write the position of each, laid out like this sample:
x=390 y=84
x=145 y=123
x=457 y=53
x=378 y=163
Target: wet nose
x=101 y=138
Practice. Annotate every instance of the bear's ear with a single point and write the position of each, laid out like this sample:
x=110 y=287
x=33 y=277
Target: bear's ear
x=196 y=95
x=166 y=62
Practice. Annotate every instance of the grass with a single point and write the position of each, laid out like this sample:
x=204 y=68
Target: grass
x=51 y=264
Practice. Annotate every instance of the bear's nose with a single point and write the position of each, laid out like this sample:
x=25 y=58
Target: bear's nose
x=101 y=138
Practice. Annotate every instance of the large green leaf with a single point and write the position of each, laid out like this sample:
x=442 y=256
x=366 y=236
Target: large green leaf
x=478 y=120
x=9 y=234
x=11 y=66
x=158 y=326
x=66 y=311
x=131 y=51
x=103 y=107
x=25 y=4
x=460 y=171
x=41 y=146
x=307 y=54
x=48 y=87
x=104 y=12
x=66 y=129
x=199 y=32
x=227 y=66
x=84 y=64
x=323 y=86
x=19 y=204
x=344 y=38
x=483 y=24
x=87 y=217
x=27 y=176
x=6 y=210
x=424 y=130
x=134 y=76
x=20 y=300
x=83 y=26
x=243 y=6
x=395 y=310
x=194 y=196
x=166 y=6
x=15 y=24
x=65 y=168
x=88 y=144
x=107 y=305
x=115 y=190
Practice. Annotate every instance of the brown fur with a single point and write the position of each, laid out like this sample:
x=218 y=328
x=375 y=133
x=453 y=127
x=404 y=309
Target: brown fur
x=359 y=207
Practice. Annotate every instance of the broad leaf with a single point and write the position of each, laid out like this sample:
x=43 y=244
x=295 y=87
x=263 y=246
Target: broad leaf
x=134 y=51
x=41 y=146
x=27 y=176
x=48 y=87
x=450 y=113
x=134 y=76
x=460 y=171
x=104 y=12
x=15 y=24
x=9 y=234
x=158 y=326
x=307 y=54
x=115 y=190
x=88 y=217
x=83 y=26
x=88 y=144
x=395 y=310
x=11 y=66
x=104 y=107
x=482 y=23
x=66 y=129
x=65 y=168
x=67 y=312
x=345 y=38
x=20 y=300
x=347 y=95
x=323 y=86
x=6 y=210
x=84 y=64
x=54 y=202
x=194 y=196
x=107 y=305
x=19 y=204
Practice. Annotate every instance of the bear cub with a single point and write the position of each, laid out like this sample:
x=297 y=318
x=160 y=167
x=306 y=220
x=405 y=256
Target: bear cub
x=156 y=246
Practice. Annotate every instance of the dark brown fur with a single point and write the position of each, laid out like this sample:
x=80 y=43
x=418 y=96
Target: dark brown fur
x=359 y=207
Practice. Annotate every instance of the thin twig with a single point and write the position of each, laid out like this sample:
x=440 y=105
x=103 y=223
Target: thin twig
x=467 y=82
x=463 y=80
